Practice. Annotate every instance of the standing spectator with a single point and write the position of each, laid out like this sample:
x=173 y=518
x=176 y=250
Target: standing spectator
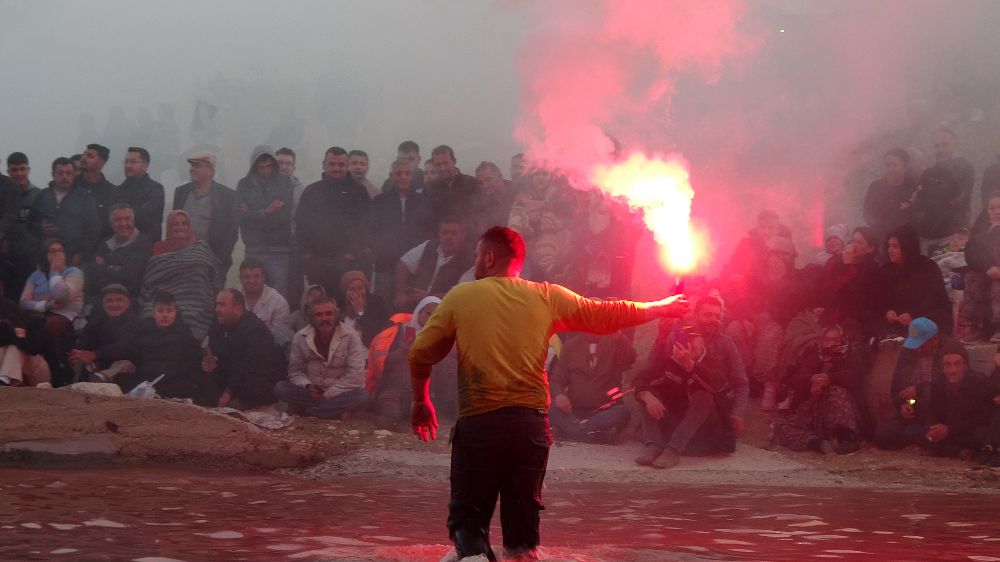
x=751 y=256
x=326 y=373
x=990 y=183
x=494 y=198
x=210 y=206
x=889 y=200
x=8 y=223
x=264 y=301
x=286 y=165
x=264 y=211
x=981 y=306
x=694 y=392
x=332 y=223
x=141 y=193
x=92 y=181
x=451 y=192
x=241 y=355
x=399 y=221
x=911 y=286
x=432 y=267
x=357 y=165
x=944 y=191
x=22 y=244
x=122 y=258
x=67 y=212
x=55 y=290
x=410 y=152
x=586 y=383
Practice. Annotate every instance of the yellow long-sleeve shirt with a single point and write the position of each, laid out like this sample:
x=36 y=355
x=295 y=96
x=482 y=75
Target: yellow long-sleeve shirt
x=502 y=327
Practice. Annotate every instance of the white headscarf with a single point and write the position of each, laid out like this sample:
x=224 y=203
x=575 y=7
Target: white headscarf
x=416 y=311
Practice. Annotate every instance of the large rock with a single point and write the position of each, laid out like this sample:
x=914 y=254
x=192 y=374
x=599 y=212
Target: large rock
x=42 y=422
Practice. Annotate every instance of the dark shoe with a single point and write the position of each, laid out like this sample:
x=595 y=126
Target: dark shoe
x=846 y=447
x=668 y=459
x=649 y=454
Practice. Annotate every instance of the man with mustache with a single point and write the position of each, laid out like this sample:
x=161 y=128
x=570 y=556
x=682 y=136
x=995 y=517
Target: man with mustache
x=326 y=371
x=694 y=391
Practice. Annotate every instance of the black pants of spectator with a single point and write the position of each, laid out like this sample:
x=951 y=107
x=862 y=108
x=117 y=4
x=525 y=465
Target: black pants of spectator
x=500 y=453
x=898 y=433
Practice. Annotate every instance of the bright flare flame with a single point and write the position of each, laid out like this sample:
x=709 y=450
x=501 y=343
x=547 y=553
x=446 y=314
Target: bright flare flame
x=660 y=188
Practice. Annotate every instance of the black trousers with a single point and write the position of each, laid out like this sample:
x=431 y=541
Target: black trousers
x=500 y=453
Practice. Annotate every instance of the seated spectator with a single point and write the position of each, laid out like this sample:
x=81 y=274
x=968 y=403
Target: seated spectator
x=163 y=345
x=834 y=243
x=55 y=291
x=827 y=422
x=326 y=373
x=185 y=268
x=849 y=284
x=433 y=267
x=911 y=287
x=751 y=254
x=391 y=390
x=299 y=318
x=835 y=357
x=889 y=201
x=586 y=385
x=989 y=455
x=122 y=258
x=954 y=243
x=363 y=310
x=242 y=356
x=981 y=305
x=947 y=416
x=22 y=342
x=919 y=361
x=694 y=392
x=106 y=337
x=264 y=301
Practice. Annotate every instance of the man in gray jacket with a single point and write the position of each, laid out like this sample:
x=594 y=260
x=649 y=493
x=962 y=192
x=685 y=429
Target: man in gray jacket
x=326 y=371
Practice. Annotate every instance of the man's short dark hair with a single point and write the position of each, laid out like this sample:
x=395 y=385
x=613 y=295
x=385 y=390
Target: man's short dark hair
x=61 y=161
x=450 y=219
x=17 y=159
x=142 y=152
x=489 y=166
x=900 y=153
x=506 y=243
x=868 y=233
x=102 y=151
x=164 y=297
x=285 y=151
x=357 y=152
x=322 y=300
x=252 y=263
x=708 y=300
x=120 y=207
x=443 y=149
x=408 y=146
x=335 y=151
x=238 y=297
x=75 y=158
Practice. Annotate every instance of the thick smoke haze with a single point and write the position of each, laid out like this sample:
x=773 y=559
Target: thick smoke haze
x=774 y=103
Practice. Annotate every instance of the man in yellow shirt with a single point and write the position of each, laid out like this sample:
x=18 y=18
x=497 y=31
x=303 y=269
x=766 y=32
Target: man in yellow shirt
x=500 y=444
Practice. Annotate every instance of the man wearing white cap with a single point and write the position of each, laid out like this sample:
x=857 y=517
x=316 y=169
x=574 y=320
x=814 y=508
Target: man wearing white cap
x=210 y=206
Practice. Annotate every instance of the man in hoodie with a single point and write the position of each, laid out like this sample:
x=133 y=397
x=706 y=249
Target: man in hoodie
x=264 y=301
x=331 y=224
x=326 y=372
x=142 y=193
x=264 y=212
x=92 y=181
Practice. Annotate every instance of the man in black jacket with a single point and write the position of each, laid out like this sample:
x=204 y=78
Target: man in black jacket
x=122 y=258
x=142 y=193
x=947 y=416
x=399 y=221
x=331 y=224
x=23 y=247
x=92 y=181
x=210 y=206
x=67 y=212
x=242 y=355
x=451 y=192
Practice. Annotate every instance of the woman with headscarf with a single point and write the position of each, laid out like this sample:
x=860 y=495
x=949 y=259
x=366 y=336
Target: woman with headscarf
x=826 y=422
x=392 y=391
x=185 y=268
x=911 y=287
x=55 y=291
x=361 y=309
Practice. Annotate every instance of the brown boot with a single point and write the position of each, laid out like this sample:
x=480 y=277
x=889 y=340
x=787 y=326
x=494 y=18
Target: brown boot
x=648 y=455
x=668 y=459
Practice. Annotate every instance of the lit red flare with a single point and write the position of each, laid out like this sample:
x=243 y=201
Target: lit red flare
x=660 y=188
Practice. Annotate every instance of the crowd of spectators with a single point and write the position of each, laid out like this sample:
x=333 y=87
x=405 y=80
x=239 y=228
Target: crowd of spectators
x=98 y=285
